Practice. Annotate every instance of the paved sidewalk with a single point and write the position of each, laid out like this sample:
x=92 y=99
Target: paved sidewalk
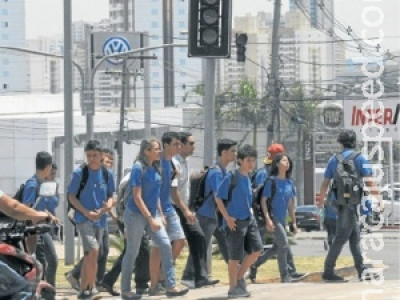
x=354 y=290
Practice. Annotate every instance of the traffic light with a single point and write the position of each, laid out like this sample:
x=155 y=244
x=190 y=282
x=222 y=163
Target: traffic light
x=210 y=23
x=241 y=41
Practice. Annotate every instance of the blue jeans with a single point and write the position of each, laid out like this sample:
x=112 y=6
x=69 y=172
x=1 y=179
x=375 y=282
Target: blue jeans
x=47 y=255
x=281 y=241
x=347 y=229
x=135 y=225
x=12 y=285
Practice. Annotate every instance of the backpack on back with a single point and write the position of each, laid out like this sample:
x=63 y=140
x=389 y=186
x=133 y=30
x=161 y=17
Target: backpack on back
x=347 y=182
x=123 y=196
x=197 y=189
x=19 y=196
x=84 y=179
x=257 y=196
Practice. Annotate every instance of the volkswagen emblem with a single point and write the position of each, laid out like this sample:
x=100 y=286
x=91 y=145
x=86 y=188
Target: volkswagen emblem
x=113 y=45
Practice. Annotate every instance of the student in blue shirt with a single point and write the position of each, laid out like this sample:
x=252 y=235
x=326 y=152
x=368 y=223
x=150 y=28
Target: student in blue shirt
x=95 y=199
x=241 y=226
x=281 y=203
x=141 y=215
x=30 y=195
x=171 y=145
x=207 y=213
x=347 y=228
x=45 y=250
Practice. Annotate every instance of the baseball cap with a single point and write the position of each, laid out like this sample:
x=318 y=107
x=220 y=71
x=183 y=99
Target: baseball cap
x=273 y=150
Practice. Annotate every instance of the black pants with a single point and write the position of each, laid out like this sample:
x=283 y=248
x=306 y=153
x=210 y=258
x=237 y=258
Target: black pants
x=197 y=248
x=142 y=273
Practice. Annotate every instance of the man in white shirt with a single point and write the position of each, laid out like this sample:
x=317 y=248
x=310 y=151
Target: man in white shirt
x=195 y=273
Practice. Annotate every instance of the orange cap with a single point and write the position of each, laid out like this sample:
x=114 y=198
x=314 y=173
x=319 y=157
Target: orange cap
x=273 y=150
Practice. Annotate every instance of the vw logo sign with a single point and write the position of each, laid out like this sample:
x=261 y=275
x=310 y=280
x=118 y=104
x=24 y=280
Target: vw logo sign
x=113 y=45
x=331 y=116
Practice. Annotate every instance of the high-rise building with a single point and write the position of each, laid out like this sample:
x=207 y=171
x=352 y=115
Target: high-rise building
x=46 y=73
x=13 y=67
x=320 y=12
x=148 y=18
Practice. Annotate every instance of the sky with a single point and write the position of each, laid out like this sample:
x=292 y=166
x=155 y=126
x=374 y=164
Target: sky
x=45 y=17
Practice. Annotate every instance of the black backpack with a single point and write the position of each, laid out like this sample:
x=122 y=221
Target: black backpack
x=19 y=196
x=347 y=183
x=257 y=196
x=197 y=188
x=84 y=179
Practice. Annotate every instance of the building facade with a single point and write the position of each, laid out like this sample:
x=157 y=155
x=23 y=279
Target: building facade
x=13 y=67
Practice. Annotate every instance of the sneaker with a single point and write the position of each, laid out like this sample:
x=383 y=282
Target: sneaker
x=73 y=282
x=142 y=290
x=205 y=282
x=189 y=283
x=242 y=284
x=332 y=278
x=108 y=288
x=157 y=290
x=176 y=293
x=130 y=296
x=85 y=295
x=298 y=275
x=237 y=292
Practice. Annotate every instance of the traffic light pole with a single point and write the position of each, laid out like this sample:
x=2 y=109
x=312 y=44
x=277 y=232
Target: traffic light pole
x=209 y=110
x=169 y=74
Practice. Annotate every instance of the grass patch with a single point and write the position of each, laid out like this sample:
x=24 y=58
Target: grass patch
x=220 y=269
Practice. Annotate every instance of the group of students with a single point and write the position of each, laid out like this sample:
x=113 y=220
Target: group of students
x=157 y=219
x=157 y=214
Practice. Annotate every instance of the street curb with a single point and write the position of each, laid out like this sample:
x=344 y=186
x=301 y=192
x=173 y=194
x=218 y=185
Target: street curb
x=317 y=276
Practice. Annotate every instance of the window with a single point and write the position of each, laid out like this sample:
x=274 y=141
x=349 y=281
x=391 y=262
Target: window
x=6 y=61
x=4 y=37
x=6 y=74
x=154 y=11
x=181 y=11
x=181 y=24
x=5 y=86
x=154 y=24
x=156 y=100
x=3 y=24
x=4 y=12
x=155 y=74
x=182 y=61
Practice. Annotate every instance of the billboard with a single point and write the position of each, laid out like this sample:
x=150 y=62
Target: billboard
x=378 y=118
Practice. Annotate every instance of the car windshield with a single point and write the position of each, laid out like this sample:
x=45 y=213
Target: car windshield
x=310 y=208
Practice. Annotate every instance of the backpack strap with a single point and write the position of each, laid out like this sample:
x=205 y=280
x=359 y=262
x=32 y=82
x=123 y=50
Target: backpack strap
x=352 y=156
x=232 y=185
x=84 y=179
x=216 y=166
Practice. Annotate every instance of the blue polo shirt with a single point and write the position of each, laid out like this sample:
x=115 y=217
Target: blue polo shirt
x=31 y=191
x=241 y=200
x=95 y=193
x=261 y=175
x=165 y=190
x=284 y=193
x=213 y=182
x=149 y=181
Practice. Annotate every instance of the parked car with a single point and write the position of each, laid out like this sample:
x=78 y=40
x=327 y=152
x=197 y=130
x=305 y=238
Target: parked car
x=308 y=217
x=389 y=192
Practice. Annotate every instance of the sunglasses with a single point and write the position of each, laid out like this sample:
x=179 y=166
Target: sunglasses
x=191 y=143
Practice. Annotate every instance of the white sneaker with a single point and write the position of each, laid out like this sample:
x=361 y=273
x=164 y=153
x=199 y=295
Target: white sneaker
x=189 y=283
